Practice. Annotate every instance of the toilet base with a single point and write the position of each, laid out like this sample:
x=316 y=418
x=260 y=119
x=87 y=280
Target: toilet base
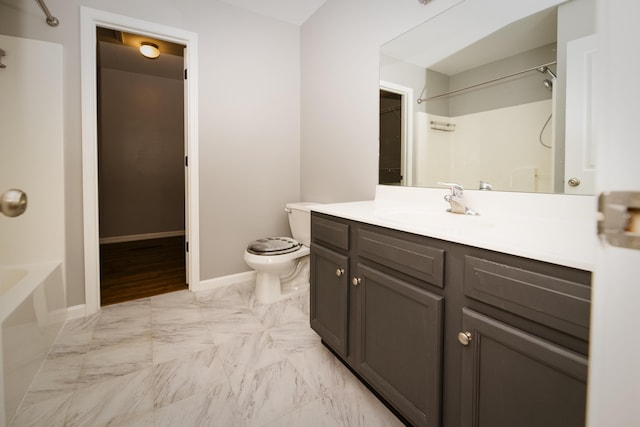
x=267 y=287
x=271 y=287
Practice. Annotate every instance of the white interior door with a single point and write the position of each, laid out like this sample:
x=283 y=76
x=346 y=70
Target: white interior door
x=580 y=139
x=31 y=152
x=614 y=366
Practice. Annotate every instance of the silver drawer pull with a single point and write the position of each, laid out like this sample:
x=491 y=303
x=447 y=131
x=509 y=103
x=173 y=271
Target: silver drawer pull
x=356 y=281
x=339 y=272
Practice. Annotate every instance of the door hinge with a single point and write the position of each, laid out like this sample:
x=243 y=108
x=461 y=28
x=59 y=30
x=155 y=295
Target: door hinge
x=186 y=246
x=619 y=218
x=186 y=161
x=185 y=74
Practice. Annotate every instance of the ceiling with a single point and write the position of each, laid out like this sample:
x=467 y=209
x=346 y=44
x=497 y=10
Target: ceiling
x=529 y=33
x=292 y=11
x=119 y=50
x=423 y=45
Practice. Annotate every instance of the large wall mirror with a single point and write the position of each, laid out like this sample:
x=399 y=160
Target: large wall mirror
x=492 y=94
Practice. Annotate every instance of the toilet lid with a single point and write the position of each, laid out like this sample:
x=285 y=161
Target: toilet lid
x=273 y=246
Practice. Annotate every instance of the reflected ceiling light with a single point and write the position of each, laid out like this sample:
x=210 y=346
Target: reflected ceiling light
x=150 y=50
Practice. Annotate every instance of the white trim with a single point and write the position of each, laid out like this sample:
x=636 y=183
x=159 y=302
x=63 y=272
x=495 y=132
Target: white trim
x=89 y=20
x=219 y=282
x=76 y=312
x=136 y=237
x=407 y=128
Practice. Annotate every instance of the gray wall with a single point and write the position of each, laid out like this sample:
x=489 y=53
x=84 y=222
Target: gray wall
x=516 y=90
x=249 y=122
x=340 y=83
x=141 y=154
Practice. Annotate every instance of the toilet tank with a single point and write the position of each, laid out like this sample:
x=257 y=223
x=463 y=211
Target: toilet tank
x=300 y=221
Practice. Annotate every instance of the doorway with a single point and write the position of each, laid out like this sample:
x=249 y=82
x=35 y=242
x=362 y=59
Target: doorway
x=396 y=135
x=141 y=152
x=91 y=19
x=390 y=158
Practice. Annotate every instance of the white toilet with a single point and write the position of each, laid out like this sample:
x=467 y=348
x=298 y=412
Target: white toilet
x=282 y=263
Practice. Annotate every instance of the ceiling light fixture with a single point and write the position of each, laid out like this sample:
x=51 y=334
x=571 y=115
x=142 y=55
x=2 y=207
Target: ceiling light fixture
x=150 y=50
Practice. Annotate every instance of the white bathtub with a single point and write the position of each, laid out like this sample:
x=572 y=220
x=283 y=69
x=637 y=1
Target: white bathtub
x=32 y=312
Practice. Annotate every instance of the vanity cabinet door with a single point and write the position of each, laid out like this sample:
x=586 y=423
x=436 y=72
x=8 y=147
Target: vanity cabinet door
x=329 y=275
x=512 y=378
x=399 y=348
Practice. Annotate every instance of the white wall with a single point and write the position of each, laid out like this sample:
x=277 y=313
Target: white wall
x=500 y=147
x=249 y=126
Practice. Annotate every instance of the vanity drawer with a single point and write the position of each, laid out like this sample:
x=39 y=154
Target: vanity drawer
x=560 y=303
x=415 y=259
x=329 y=231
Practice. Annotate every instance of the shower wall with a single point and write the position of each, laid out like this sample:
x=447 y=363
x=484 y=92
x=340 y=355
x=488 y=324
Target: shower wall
x=31 y=152
x=500 y=146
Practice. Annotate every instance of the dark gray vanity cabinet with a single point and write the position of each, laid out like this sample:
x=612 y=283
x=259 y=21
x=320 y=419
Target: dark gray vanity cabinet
x=451 y=335
x=400 y=344
x=329 y=267
x=513 y=378
x=384 y=321
x=524 y=338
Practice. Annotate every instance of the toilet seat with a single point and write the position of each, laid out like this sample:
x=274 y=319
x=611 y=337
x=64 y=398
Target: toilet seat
x=273 y=246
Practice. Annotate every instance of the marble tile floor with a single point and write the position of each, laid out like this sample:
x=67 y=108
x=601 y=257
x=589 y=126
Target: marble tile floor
x=211 y=358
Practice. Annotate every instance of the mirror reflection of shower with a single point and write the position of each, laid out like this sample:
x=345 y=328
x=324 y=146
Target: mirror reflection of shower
x=13 y=202
x=547 y=70
x=548 y=83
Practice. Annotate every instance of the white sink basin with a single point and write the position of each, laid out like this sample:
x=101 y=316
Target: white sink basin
x=421 y=218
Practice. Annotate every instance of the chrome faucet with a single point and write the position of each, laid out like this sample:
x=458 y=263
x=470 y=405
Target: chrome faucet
x=455 y=199
x=485 y=186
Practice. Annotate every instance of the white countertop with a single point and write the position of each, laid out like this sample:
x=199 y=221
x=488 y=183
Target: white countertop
x=546 y=227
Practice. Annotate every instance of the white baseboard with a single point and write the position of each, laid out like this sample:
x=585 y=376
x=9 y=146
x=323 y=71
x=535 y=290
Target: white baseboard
x=223 y=281
x=134 y=237
x=80 y=310
x=76 y=311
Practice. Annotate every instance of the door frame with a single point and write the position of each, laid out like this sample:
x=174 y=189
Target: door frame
x=89 y=20
x=406 y=139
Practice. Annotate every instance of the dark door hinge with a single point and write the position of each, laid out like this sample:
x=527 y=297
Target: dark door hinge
x=186 y=246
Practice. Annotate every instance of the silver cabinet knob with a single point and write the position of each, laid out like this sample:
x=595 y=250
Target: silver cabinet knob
x=339 y=272
x=573 y=182
x=356 y=281
x=464 y=338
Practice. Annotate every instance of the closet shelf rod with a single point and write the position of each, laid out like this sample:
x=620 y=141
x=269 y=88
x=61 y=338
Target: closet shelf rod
x=51 y=20
x=421 y=100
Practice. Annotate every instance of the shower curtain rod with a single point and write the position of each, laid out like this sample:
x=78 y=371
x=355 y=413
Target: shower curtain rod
x=51 y=20
x=421 y=100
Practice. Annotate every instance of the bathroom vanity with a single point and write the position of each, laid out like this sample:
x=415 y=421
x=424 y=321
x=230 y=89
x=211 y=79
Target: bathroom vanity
x=445 y=328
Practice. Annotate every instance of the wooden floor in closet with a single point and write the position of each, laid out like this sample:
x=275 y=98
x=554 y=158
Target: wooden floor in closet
x=140 y=269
